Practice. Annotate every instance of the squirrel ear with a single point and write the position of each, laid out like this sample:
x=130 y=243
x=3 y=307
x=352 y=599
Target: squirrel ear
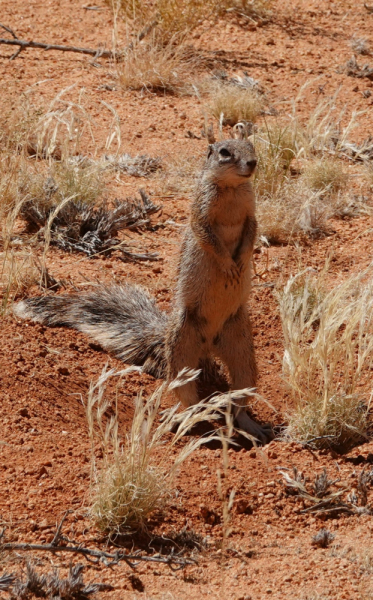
x=210 y=150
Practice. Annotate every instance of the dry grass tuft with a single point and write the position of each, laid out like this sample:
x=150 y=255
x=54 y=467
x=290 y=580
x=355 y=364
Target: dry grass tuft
x=326 y=175
x=155 y=67
x=135 y=477
x=328 y=356
x=68 y=179
x=276 y=148
x=174 y=19
x=298 y=186
x=292 y=211
x=230 y=103
x=18 y=272
x=360 y=46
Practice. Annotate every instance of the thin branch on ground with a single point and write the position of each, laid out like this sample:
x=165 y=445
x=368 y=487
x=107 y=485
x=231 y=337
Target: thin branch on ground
x=99 y=53
x=23 y=44
x=174 y=561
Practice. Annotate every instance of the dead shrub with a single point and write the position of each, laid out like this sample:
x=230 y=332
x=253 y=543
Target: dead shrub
x=328 y=336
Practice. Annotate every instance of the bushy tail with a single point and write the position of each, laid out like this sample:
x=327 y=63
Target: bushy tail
x=124 y=319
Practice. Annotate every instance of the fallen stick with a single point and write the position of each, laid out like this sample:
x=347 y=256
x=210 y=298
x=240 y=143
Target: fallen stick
x=174 y=561
x=23 y=44
x=99 y=53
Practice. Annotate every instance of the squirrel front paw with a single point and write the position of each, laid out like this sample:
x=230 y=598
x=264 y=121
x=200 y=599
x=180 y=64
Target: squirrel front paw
x=232 y=271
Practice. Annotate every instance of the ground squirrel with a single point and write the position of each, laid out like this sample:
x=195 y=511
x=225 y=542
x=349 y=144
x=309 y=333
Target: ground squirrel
x=210 y=316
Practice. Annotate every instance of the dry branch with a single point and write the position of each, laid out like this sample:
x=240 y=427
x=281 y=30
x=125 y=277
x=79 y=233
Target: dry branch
x=23 y=44
x=174 y=561
x=99 y=53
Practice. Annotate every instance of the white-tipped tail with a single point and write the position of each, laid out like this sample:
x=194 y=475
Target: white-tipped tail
x=21 y=310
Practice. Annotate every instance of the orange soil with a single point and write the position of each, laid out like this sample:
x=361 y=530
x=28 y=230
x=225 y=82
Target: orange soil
x=45 y=373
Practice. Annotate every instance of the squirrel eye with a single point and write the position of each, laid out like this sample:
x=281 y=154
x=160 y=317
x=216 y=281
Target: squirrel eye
x=225 y=153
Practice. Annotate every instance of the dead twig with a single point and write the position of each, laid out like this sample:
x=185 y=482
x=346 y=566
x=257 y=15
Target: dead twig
x=60 y=544
x=23 y=44
x=174 y=561
x=99 y=53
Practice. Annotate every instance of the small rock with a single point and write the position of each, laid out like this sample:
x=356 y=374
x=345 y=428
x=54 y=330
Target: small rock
x=42 y=471
x=63 y=371
x=243 y=507
x=32 y=524
x=24 y=412
x=44 y=525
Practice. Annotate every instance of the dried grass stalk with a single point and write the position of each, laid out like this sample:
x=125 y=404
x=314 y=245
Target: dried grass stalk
x=328 y=335
x=136 y=475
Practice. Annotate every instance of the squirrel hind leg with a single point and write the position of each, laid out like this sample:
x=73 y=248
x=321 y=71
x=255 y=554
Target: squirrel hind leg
x=183 y=349
x=235 y=348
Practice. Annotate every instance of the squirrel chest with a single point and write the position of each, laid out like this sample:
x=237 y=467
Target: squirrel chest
x=229 y=213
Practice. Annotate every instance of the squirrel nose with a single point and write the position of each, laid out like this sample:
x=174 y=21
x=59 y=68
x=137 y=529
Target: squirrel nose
x=252 y=163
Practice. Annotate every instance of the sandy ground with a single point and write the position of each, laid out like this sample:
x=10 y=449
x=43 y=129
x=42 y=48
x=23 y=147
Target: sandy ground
x=45 y=373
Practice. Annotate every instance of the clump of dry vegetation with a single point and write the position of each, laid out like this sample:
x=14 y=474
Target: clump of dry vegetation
x=135 y=477
x=153 y=66
x=230 y=103
x=328 y=337
x=322 y=497
x=326 y=175
x=287 y=205
x=360 y=46
x=173 y=19
x=293 y=210
x=48 y=188
x=18 y=272
x=323 y=538
x=276 y=148
x=301 y=180
x=52 y=585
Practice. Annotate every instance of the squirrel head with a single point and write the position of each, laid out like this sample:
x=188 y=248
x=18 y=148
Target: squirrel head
x=230 y=163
